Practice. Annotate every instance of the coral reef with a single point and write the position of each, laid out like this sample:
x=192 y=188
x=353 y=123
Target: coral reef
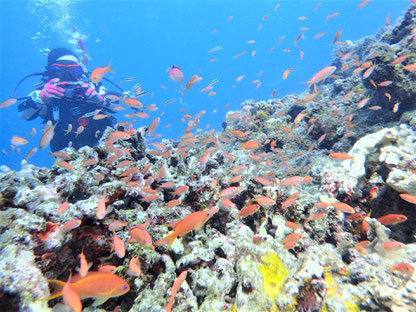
x=268 y=221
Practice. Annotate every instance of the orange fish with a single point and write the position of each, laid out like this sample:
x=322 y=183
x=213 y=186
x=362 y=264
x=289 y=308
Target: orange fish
x=373 y=192
x=409 y=198
x=141 y=115
x=403 y=267
x=230 y=192
x=368 y=72
x=133 y=103
x=173 y=203
x=180 y=190
x=317 y=216
x=150 y=198
x=363 y=3
x=385 y=83
x=47 y=137
x=392 y=245
x=227 y=204
x=98 y=285
x=331 y=16
x=322 y=74
x=116 y=225
x=358 y=216
x=140 y=235
x=289 y=202
x=295 y=180
x=63 y=207
x=375 y=107
x=101 y=211
x=343 y=207
x=294 y=237
x=89 y=162
x=291 y=225
x=364 y=225
x=167 y=185
x=411 y=67
x=250 y=145
x=204 y=159
x=107 y=268
x=61 y=155
x=257 y=239
x=400 y=59
x=263 y=200
x=391 y=219
x=363 y=102
x=119 y=246
x=175 y=287
x=337 y=35
x=18 y=141
x=153 y=126
x=286 y=73
x=289 y=245
x=340 y=156
x=192 y=222
x=71 y=224
x=65 y=165
x=84 y=266
x=71 y=298
x=99 y=116
x=263 y=181
x=7 y=103
x=248 y=210
x=193 y=80
x=134 y=267
x=98 y=73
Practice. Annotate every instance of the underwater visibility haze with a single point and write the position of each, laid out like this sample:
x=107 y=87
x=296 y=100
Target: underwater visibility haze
x=143 y=39
x=259 y=155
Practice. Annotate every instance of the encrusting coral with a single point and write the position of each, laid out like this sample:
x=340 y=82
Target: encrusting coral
x=271 y=214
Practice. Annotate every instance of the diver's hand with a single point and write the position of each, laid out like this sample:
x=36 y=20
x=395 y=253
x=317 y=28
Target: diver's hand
x=92 y=96
x=50 y=90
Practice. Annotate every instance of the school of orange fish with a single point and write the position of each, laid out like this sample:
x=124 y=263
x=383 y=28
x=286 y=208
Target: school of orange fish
x=272 y=193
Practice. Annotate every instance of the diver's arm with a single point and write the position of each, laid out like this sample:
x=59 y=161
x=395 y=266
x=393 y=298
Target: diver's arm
x=38 y=101
x=107 y=104
x=32 y=107
x=96 y=93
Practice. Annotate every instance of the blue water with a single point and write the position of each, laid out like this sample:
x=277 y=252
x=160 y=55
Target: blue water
x=144 y=38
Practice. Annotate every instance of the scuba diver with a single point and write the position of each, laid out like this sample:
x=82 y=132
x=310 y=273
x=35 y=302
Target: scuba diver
x=68 y=99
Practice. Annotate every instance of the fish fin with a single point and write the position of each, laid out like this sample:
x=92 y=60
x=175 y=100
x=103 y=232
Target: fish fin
x=99 y=301
x=59 y=285
x=173 y=224
x=108 y=69
x=167 y=240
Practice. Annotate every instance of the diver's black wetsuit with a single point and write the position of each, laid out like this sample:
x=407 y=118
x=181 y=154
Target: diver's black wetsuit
x=73 y=110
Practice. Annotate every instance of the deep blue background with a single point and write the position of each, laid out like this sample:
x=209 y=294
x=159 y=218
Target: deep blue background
x=144 y=38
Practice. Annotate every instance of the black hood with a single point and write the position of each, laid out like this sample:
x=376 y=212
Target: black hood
x=57 y=53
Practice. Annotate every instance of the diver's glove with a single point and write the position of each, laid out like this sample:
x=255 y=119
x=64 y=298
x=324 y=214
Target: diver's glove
x=50 y=90
x=92 y=96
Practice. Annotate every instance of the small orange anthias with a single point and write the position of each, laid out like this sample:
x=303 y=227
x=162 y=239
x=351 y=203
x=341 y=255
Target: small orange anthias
x=97 y=285
x=194 y=221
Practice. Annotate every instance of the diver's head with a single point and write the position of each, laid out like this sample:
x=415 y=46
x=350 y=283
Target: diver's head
x=64 y=64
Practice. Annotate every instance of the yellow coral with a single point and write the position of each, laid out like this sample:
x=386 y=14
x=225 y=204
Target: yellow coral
x=333 y=290
x=274 y=273
x=262 y=115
